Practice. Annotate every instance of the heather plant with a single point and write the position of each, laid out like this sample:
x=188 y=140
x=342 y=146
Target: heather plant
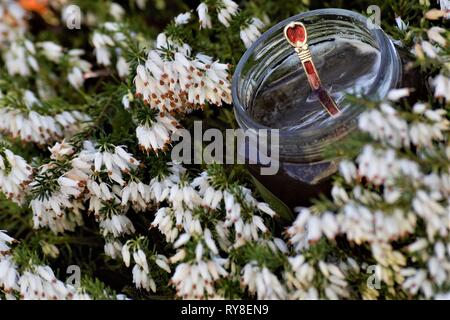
x=89 y=115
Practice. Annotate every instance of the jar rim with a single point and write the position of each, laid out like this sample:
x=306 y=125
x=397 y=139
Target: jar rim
x=388 y=53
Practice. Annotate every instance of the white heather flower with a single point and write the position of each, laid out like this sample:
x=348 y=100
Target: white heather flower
x=41 y=129
x=251 y=31
x=5 y=241
x=101 y=43
x=8 y=274
x=30 y=99
x=183 y=18
x=248 y=228
x=52 y=211
x=262 y=282
x=435 y=14
x=117 y=225
x=397 y=94
x=332 y=277
x=179 y=256
x=138 y=193
x=61 y=150
x=434 y=34
x=158 y=135
x=33 y=282
x=401 y=25
x=264 y=207
x=329 y=225
x=15 y=174
x=441 y=85
x=182 y=240
x=141 y=4
x=429 y=49
x=126 y=254
x=68 y=12
x=415 y=281
x=164 y=220
x=227 y=9
x=445 y=7
x=116 y=11
x=19 y=58
x=141 y=271
x=162 y=262
x=78 y=68
x=60 y=212
x=339 y=195
x=196 y=280
x=309 y=228
x=51 y=50
x=379 y=166
x=386 y=125
x=13 y=21
x=126 y=101
x=203 y=16
x=123 y=68
x=348 y=170
x=113 y=249
x=143 y=279
x=424 y=133
x=182 y=196
x=182 y=82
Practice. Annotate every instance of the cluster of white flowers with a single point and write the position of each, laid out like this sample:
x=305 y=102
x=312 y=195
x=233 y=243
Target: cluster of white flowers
x=35 y=282
x=262 y=282
x=94 y=176
x=173 y=81
x=435 y=273
x=156 y=134
x=20 y=53
x=103 y=177
x=31 y=126
x=431 y=48
x=104 y=171
x=445 y=7
x=141 y=270
x=301 y=281
x=386 y=124
x=116 y=11
x=109 y=42
x=77 y=66
x=441 y=85
x=182 y=224
x=411 y=197
x=251 y=31
x=308 y=228
x=240 y=208
x=182 y=18
x=15 y=174
x=20 y=59
x=189 y=201
x=56 y=204
x=225 y=10
x=5 y=242
x=196 y=277
x=12 y=21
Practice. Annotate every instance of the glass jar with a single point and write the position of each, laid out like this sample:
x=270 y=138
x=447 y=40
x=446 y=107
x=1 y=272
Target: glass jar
x=270 y=91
